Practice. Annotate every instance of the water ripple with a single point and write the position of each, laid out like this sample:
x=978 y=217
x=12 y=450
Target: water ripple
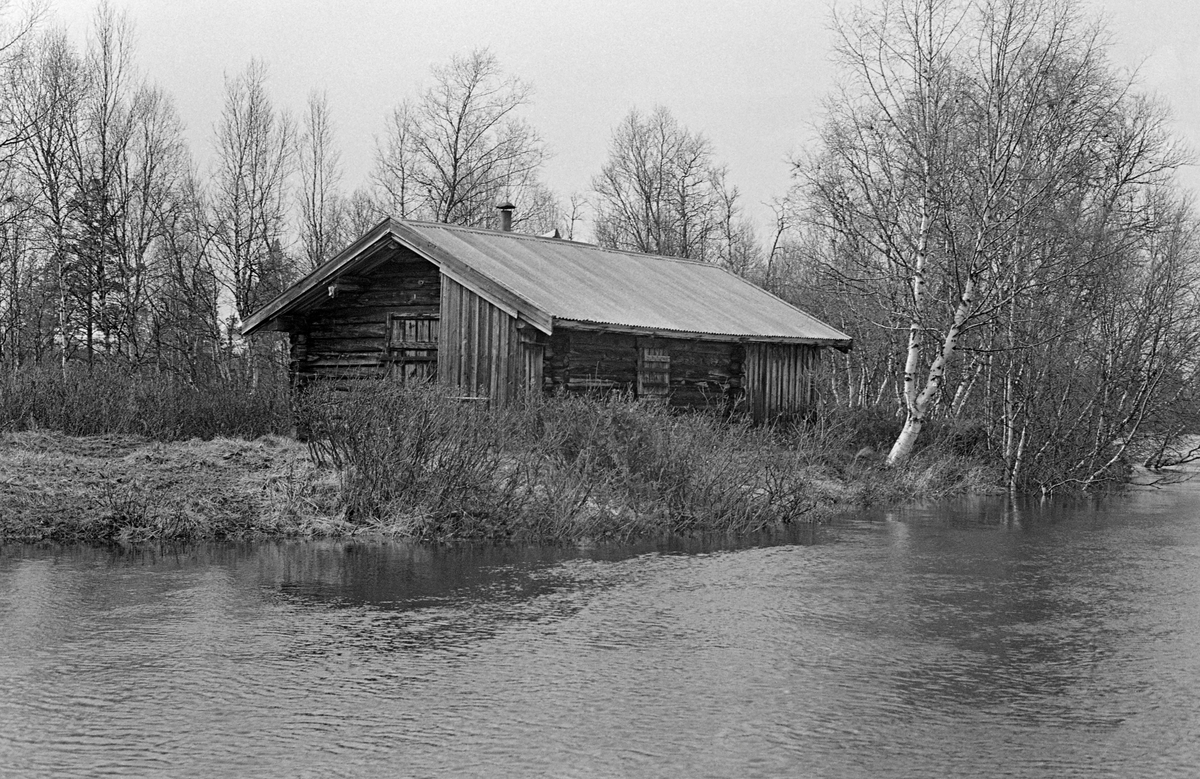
x=930 y=643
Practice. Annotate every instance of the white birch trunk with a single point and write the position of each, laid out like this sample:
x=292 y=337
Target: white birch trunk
x=903 y=446
x=918 y=406
x=914 y=415
x=1014 y=474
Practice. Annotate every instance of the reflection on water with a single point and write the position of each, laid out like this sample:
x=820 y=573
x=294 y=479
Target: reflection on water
x=965 y=639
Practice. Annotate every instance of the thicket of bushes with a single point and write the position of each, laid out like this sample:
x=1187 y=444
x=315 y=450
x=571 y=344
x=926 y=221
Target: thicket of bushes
x=415 y=463
x=162 y=406
x=407 y=460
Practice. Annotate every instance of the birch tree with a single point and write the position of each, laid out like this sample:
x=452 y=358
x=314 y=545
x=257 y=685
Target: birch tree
x=154 y=180
x=959 y=125
x=17 y=29
x=185 y=325
x=126 y=160
x=17 y=274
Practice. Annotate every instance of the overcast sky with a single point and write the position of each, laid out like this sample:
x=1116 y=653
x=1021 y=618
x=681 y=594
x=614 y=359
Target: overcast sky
x=749 y=74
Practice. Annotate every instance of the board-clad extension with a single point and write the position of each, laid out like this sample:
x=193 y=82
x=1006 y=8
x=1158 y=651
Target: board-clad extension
x=497 y=314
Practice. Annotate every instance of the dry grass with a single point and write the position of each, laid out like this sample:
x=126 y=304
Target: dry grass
x=127 y=488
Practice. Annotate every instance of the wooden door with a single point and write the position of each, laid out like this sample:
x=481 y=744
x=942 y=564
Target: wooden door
x=654 y=373
x=412 y=346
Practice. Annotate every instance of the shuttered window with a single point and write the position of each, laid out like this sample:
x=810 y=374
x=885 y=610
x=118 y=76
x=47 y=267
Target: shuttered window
x=412 y=343
x=654 y=373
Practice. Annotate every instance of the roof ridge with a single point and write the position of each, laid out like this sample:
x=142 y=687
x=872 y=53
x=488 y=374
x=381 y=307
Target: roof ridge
x=530 y=237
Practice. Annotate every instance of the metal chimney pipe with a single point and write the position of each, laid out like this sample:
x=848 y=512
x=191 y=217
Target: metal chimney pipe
x=506 y=211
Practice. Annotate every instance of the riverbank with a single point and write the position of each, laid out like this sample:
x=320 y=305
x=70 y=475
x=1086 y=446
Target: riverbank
x=55 y=487
x=615 y=486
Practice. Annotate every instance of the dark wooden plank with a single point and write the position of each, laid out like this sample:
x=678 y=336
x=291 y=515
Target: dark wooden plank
x=375 y=330
x=343 y=361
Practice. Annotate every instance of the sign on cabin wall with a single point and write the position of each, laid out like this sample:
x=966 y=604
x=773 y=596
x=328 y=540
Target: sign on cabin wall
x=411 y=349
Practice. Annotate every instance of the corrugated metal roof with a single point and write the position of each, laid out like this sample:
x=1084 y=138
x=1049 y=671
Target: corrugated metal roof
x=584 y=283
x=547 y=280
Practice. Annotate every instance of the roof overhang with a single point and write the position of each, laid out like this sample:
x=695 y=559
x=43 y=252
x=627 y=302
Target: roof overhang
x=651 y=332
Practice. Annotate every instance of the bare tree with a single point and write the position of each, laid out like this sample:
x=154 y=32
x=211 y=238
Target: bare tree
x=660 y=191
x=123 y=165
x=17 y=269
x=455 y=151
x=48 y=101
x=736 y=245
x=362 y=212
x=16 y=55
x=25 y=297
x=185 y=325
x=97 y=159
x=961 y=121
x=153 y=185
x=107 y=246
x=322 y=207
x=254 y=145
x=574 y=214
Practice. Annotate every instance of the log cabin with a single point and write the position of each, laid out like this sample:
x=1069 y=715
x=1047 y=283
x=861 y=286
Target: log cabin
x=496 y=314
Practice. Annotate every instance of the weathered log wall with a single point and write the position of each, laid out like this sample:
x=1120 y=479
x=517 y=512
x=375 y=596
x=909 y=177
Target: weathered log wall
x=700 y=373
x=767 y=380
x=346 y=337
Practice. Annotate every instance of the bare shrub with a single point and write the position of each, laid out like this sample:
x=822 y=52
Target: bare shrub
x=111 y=399
x=417 y=463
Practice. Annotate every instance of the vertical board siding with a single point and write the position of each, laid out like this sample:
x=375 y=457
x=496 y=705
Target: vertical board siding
x=448 y=356
x=480 y=357
x=778 y=379
x=470 y=329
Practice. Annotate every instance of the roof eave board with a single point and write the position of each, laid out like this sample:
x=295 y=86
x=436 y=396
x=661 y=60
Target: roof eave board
x=658 y=332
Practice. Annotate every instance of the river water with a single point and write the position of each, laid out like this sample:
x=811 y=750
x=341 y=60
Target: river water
x=963 y=639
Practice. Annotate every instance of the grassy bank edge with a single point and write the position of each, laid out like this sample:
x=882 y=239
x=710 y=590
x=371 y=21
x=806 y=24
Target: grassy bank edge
x=129 y=489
